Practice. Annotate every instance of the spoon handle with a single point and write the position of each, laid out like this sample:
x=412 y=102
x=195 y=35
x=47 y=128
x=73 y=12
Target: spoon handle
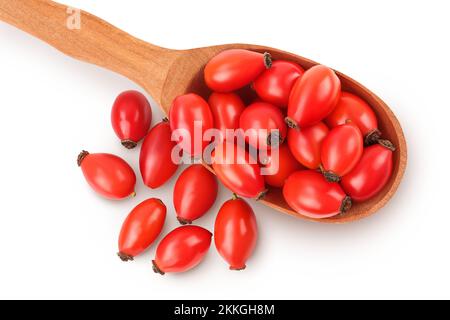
x=90 y=39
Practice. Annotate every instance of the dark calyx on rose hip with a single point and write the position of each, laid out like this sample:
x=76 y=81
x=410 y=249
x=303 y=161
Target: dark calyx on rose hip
x=372 y=137
x=129 y=144
x=156 y=268
x=83 y=154
x=387 y=144
x=331 y=176
x=267 y=60
x=346 y=205
x=275 y=139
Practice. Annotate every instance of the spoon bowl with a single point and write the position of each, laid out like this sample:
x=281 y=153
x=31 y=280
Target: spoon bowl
x=166 y=74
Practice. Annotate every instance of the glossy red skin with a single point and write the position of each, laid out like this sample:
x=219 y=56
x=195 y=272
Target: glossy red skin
x=141 y=228
x=370 y=175
x=233 y=69
x=226 y=109
x=185 y=110
x=342 y=149
x=194 y=194
x=309 y=194
x=262 y=115
x=109 y=175
x=155 y=160
x=275 y=84
x=238 y=171
x=306 y=144
x=182 y=249
x=131 y=116
x=279 y=169
x=355 y=109
x=314 y=96
x=236 y=233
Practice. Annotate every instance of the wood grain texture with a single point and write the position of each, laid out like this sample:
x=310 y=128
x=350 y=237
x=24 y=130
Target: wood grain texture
x=166 y=73
x=96 y=41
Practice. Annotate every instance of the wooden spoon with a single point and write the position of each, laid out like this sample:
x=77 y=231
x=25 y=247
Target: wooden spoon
x=166 y=73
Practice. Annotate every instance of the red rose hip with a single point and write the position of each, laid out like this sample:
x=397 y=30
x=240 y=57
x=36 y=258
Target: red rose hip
x=279 y=165
x=313 y=97
x=372 y=172
x=155 y=160
x=194 y=194
x=275 y=84
x=226 y=109
x=108 y=175
x=306 y=144
x=131 y=117
x=181 y=250
x=352 y=108
x=187 y=111
x=236 y=233
x=311 y=195
x=341 y=151
x=263 y=124
x=233 y=69
x=140 y=229
x=238 y=171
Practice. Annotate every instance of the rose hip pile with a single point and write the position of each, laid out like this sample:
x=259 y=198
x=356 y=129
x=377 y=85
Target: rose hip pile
x=328 y=145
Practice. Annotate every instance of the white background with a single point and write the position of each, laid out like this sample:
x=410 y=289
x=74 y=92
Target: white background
x=58 y=239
